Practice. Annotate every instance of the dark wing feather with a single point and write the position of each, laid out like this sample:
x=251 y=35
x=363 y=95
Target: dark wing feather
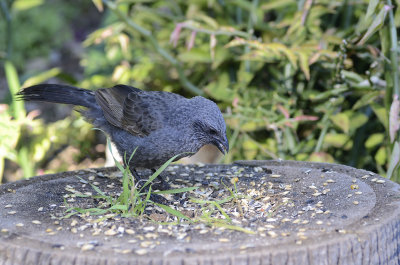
x=141 y=113
x=131 y=109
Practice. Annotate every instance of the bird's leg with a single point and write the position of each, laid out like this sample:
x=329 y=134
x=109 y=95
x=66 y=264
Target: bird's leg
x=135 y=174
x=162 y=184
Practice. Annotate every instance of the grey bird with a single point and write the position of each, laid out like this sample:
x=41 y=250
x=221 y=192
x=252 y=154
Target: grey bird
x=159 y=125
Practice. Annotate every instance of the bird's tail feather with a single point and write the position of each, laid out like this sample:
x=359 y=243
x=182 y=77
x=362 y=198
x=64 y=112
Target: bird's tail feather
x=59 y=94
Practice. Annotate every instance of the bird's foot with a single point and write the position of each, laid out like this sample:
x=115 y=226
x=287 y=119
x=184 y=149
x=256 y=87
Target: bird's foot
x=160 y=183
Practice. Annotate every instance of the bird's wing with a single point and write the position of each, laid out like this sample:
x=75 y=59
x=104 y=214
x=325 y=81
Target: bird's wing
x=134 y=110
x=142 y=113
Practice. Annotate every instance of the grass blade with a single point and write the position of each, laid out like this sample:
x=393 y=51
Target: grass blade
x=173 y=211
x=173 y=191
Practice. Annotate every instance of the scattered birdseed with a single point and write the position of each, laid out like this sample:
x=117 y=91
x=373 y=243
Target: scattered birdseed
x=358 y=192
x=74 y=230
x=86 y=247
x=342 y=231
x=12 y=212
x=130 y=231
x=234 y=180
x=354 y=187
x=316 y=194
x=223 y=240
x=319 y=222
x=4 y=230
x=380 y=181
x=365 y=177
x=272 y=234
x=275 y=176
x=141 y=251
x=151 y=235
x=8 y=206
x=330 y=181
x=325 y=191
x=91 y=177
x=36 y=222
x=374 y=180
x=146 y=244
x=354 y=180
x=355 y=202
x=123 y=251
x=110 y=232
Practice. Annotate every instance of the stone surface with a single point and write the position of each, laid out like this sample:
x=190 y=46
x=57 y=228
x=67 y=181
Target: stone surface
x=337 y=215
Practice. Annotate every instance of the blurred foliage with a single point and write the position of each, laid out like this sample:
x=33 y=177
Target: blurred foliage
x=29 y=29
x=28 y=141
x=27 y=42
x=309 y=80
x=301 y=80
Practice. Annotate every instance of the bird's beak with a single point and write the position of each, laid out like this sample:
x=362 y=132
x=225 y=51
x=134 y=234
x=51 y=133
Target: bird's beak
x=223 y=145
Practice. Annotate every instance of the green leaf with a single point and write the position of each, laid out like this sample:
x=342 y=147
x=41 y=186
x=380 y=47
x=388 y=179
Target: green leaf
x=342 y=121
x=21 y=5
x=40 y=78
x=338 y=140
x=357 y=120
x=219 y=89
x=372 y=5
x=394 y=160
x=381 y=156
x=376 y=24
x=14 y=86
x=374 y=140
x=278 y=4
x=382 y=114
x=98 y=4
x=195 y=55
x=366 y=99
x=304 y=65
x=321 y=157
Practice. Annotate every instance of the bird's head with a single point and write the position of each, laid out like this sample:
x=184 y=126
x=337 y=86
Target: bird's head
x=209 y=126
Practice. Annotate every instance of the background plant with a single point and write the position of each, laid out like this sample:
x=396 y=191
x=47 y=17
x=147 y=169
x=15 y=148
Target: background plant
x=305 y=80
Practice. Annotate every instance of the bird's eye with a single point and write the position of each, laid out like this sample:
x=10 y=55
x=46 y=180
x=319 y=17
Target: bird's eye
x=213 y=132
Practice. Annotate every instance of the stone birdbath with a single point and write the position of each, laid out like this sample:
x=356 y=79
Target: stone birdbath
x=272 y=212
